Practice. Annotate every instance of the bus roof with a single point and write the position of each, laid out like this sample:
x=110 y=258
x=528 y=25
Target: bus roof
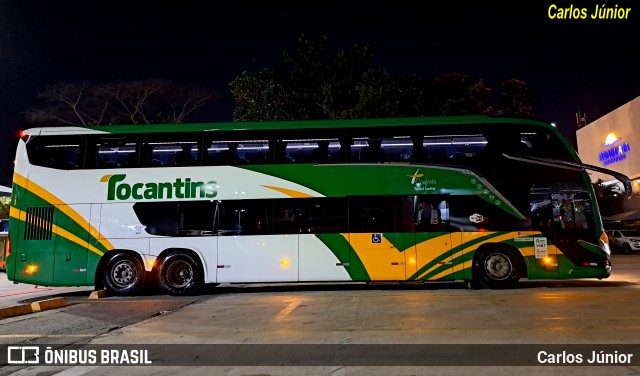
x=284 y=125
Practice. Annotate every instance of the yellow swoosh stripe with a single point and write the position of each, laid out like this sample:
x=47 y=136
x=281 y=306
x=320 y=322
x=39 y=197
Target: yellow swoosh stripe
x=288 y=192
x=496 y=239
x=66 y=209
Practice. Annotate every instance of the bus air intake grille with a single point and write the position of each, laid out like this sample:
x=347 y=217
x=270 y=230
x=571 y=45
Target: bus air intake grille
x=38 y=223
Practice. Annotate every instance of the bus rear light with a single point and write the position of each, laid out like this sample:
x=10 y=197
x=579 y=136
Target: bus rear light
x=31 y=269
x=590 y=264
x=23 y=135
x=7 y=248
x=284 y=263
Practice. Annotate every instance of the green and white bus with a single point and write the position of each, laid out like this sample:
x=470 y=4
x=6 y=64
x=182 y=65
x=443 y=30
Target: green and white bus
x=479 y=199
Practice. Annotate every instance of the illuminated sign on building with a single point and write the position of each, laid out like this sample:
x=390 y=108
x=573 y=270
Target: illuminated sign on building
x=616 y=153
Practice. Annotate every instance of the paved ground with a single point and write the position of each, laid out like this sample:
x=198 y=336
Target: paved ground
x=566 y=313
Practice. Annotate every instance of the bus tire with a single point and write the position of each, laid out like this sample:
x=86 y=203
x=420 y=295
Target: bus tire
x=179 y=274
x=497 y=268
x=123 y=274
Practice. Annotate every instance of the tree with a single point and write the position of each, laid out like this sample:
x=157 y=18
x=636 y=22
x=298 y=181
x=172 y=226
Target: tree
x=457 y=94
x=127 y=102
x=5 y=205
x=265 y=96
x=339 y=86
x=319 y=86
x=515 y=100
x=327 y=85
x=381 y=94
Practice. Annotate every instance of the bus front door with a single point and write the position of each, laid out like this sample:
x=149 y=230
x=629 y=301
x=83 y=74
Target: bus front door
x=433 y=239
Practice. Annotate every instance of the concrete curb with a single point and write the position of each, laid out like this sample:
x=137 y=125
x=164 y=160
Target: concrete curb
x=40 y=305
x=99 y=294
x=16 y=310
x=43 y=305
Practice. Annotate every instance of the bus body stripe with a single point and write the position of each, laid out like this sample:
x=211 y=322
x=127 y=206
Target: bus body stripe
x=21 y=215
x=288 y=192
x=62 y=206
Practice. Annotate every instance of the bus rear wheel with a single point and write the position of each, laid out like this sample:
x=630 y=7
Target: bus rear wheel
x=123 y=274
x=497 y=269
x=179 y=274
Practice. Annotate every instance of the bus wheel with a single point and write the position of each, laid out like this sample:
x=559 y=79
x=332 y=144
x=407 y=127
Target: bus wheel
x=497 y=268
x=124 y=274
x=179 y=274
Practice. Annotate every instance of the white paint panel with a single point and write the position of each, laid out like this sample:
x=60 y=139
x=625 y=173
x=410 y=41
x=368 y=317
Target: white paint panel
x=259 y=258
x=205 y=246
x=120 y=221
x=87 y=186
x=138 y=245
x=318 y=263
x=94 y=219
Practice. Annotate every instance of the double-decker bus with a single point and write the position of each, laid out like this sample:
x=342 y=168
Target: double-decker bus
x=479 y=199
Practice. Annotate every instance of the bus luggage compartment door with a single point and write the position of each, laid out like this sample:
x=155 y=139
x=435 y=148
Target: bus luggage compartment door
x=258 y=258
x=35 y=253
x=70 y=264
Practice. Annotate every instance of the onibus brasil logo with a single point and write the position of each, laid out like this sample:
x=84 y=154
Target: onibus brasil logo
x=179 y=188
x=421 y=183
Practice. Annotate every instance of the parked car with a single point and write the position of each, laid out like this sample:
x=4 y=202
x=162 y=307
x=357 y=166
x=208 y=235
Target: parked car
x=626 y=241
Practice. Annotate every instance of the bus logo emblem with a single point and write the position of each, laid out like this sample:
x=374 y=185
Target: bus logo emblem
x=421 y=183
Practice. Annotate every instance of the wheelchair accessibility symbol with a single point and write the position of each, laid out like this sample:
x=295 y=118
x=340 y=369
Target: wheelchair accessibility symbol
x=376 y=238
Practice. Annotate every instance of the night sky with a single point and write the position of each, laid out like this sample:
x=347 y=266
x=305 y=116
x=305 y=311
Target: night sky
x=569 y=64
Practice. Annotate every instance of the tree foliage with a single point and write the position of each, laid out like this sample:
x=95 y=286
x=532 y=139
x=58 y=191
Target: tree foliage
x=320 y=85
x=458 y=94
x=126 y=102
x=515 y=100
x=5 y=205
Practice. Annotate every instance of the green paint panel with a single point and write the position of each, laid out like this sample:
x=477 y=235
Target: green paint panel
x=342 y=250
x=569 y=270
x=593 y=249
x=381 y=179
x=397 y=239
x=92 y=264
x=70 y=263
x=39 y=254
x=315 y=124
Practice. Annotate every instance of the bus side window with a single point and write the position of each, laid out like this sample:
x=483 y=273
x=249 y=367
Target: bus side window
x=431 y=214
x=110 y=151
x=63 y=153
x=376 y=214
x=244 y=217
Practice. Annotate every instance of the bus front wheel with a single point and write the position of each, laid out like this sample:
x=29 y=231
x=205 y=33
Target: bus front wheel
x=497 y=268
x=123 y=274
x=179 y=274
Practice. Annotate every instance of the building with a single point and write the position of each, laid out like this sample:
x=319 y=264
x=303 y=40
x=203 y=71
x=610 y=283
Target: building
x=613 y=142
